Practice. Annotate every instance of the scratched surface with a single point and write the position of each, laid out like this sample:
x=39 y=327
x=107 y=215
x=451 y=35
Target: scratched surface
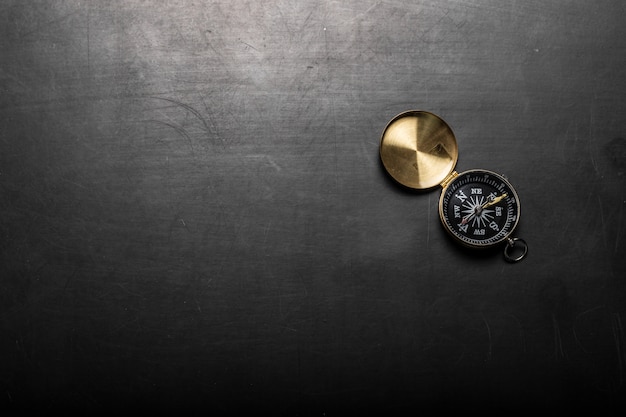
x=193 y=214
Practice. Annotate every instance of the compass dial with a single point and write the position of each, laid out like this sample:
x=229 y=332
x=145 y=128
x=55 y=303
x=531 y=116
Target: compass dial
x=479 y=208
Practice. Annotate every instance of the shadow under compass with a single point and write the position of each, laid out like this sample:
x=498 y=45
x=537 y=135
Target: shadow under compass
x=510 y=254
x=476 y=254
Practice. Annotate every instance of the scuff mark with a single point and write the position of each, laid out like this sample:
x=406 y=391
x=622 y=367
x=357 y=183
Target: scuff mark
x=248 y=45
x=618 y=335
x=490 y=347
x=178 y=129
x=603 y=223
x=209 y=128
x=558 y=341
x=268 y=159
x=619 y=226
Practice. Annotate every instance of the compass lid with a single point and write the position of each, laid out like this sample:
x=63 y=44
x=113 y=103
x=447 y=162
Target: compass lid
x=418 y=149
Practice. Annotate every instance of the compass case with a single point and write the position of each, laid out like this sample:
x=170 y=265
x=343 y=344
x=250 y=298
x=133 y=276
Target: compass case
x=418 y=149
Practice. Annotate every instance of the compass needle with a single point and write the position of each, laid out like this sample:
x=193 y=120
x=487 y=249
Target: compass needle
x=495 y=200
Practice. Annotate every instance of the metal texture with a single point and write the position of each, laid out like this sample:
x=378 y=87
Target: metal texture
x=195 y=219
x=418 y=149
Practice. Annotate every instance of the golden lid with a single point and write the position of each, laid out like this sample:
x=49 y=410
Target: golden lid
x=418 y=149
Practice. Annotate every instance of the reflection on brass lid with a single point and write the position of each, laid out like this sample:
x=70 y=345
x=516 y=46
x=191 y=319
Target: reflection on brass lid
x=418 y=149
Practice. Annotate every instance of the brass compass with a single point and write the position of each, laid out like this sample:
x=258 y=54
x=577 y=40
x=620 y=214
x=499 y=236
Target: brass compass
x=478 y=208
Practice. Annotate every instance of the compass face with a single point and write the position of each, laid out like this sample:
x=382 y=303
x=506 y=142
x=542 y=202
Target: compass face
x=479 y=208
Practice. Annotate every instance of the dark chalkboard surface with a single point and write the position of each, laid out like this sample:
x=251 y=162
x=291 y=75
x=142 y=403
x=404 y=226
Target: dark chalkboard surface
x=194 y=216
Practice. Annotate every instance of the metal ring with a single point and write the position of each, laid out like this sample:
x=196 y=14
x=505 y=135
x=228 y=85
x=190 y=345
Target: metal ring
x=511 y=243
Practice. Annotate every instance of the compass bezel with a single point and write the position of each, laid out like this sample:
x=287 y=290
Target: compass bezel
x=480 y=176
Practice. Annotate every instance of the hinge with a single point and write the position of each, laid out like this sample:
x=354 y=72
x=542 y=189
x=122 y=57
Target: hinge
x=449 y=179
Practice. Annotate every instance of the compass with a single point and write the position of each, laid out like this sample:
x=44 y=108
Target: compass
x=478 y=208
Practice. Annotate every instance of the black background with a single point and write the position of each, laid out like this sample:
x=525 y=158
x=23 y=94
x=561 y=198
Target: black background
x=194 y=216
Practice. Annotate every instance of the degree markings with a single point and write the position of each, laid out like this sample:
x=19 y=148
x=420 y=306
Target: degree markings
x=489 y=182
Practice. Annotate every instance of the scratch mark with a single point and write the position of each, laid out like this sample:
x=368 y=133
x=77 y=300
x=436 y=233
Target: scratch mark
x=371 y=8
x=248 y=45
x=306 y=291
x=289 y=328
x=366 y=152
x=174 y=224
x=123 y=288
x=591 y=151
x=178 y=129
x=333 y=107
x=124 y=325
x=366 y=12
x=618 y=334
x=215 y=132
x=75 y=184
x=578 y=342
x=268 y=226
x=89 y=37
x=182 y=221
x=565 y=229
x=273 y=164
x=522 y=336
x=69 y=278
x=428 y=224
x=490 y=348
x=230 y=251
x=558 y=341
x=208 y=129
x=603 y=223
x=269 y=159
x=619 y=226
